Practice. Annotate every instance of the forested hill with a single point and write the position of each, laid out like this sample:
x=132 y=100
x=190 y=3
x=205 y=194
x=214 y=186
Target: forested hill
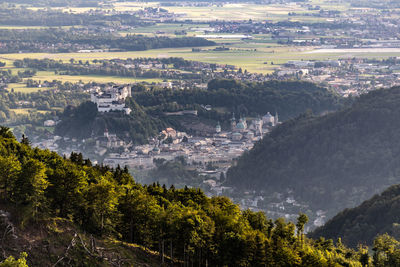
x=66 y=212
x=288 y=98
x=85 y=121
x=329 y=162
x=378 y=215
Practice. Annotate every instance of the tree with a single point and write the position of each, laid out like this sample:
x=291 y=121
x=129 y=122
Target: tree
x=102 y=199
x=25 y=140
x=301 y=221
x=67 y=183
x=30 y=187
x=10 y=169
x=386 y=251
x=12 y=262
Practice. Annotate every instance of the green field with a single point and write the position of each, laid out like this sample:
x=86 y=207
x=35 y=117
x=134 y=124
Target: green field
x=26 y=111
x=21 y=87
x=247 y=55
x=50 y=76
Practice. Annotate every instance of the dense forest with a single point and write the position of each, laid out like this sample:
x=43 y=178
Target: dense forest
x=378 y=215
x=329 y=162
x=74 y=39
x=183 y=225
x=288 y=98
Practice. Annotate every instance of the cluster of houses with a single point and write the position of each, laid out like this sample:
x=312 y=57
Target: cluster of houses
x=222 y=147
x=347 y=76
x=355 y=28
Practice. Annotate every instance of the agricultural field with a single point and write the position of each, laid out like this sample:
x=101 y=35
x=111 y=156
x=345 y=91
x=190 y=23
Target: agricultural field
x=26 y=111
x=237 y=11
x=50 y=76
x=252 y=56
x=21 y=87
x=231 y=11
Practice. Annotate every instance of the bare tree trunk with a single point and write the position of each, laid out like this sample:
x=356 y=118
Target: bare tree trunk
x=200 y=257
x=131 y=230
x=159 y=249
x=162 y=254
x=171 y=253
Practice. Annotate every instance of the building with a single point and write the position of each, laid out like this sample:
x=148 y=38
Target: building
x=109 y=141
x=218 y=128
x=112 y=99
x=237 y=136
x=268 y=119
x=49 y=123
x=257 y=126
x=241 y=126
x=233 y=122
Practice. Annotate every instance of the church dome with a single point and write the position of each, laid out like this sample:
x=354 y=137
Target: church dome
x=240 y=126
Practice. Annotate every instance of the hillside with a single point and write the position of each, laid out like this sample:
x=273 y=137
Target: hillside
x=51 y=198
x=288 y=98
x=329 y=162
x=85 y=121
x=59 y=241
x=378 y=215
x=226 y=96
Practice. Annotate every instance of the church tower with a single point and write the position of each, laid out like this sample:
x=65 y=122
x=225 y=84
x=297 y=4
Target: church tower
x=233 y=122
x=276 y=119
x=218 y=128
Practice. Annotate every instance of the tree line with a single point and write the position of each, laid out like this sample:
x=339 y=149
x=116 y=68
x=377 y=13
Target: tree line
x=56 y=40
x=113 y=68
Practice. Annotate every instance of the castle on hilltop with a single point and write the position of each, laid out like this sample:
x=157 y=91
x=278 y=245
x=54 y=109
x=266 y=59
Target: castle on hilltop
x=112 y=99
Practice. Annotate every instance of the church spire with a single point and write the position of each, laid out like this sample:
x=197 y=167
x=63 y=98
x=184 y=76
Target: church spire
x=276 y=118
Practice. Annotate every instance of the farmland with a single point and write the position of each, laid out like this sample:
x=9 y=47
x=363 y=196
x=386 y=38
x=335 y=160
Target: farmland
x=247 y=55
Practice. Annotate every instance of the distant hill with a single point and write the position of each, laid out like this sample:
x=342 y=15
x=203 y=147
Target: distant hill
x=329 y=162
x=378 y=215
